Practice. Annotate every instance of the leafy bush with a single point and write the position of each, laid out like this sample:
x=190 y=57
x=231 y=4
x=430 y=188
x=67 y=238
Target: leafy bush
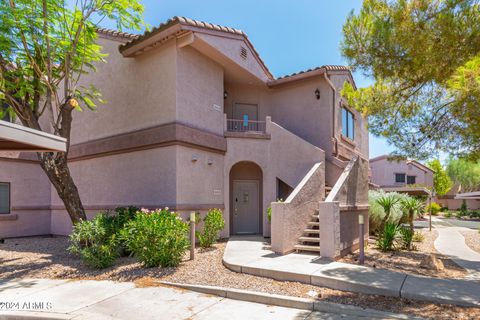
x=435 y=208
x=376 y=212
x=418 y=237
x=474 y=214
x=463 y=208
x=448 y=214
x=407 y=237
x=387 y=239
x=157 y=238
x=95 y=241
x=269 y=214
x=213 y=223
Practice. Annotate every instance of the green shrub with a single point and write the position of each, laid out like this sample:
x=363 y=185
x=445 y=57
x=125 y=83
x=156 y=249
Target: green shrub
x=407 y=237
x=463 y=209
x=474 y=214
x=435 y=208
x=213 y=223
x=269 y=214
x=95 y=241
x=418 y=237
x=387 y=239
x=460 y=213
x=376 y=212
x=448 y=214
x=157 y=238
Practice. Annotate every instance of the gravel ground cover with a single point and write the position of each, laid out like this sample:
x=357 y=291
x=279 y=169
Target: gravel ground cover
x=472 y=239
x=48 y=258
x=409 y=261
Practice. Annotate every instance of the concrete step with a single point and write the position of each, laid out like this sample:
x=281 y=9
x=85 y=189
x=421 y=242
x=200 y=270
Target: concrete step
x=315 y=231
x=301 y=247
x=309 y=239
x=314 y=223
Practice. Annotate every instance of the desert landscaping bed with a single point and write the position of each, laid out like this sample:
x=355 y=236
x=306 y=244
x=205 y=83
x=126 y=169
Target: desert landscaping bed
x=409 y=261
x=472 y=239
x=45 y=257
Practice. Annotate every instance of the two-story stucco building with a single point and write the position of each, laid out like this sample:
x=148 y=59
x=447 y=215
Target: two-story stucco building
x=195 y=120
x=407 y=176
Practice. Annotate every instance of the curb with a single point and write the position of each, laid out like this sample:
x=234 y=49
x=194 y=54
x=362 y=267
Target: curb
x=290 y=302
x=406 y=290
x=34 y=315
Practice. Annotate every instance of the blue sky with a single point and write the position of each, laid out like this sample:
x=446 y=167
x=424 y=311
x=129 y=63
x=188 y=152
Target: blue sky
x=289 y=35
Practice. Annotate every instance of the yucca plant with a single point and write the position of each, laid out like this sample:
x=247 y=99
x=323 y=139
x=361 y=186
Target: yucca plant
x=388 y=237
x=412 y=206
x=387 y=201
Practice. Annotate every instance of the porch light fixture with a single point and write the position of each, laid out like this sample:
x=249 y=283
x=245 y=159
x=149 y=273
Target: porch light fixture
x=317 y=94
x=225 y=94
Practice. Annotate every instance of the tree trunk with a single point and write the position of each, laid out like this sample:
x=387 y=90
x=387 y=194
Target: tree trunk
x=411 y=215
x=56 y=167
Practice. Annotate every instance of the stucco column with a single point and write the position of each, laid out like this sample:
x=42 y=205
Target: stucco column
x=329 y=217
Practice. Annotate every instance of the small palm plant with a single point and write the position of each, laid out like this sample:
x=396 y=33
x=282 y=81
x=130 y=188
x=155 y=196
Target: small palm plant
x=413 y=207
x=387 y=202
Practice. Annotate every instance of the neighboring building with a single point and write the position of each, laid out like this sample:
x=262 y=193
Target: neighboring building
x=195 y=120
x=393 y=173
x=454 y=199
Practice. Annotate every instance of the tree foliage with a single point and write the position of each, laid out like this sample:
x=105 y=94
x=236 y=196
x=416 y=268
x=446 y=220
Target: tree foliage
x=464 y=172
x=424 y=57
x=45 y=48
x=441 y=180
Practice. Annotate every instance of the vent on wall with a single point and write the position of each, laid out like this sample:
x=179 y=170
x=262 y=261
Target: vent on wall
x=243 y=53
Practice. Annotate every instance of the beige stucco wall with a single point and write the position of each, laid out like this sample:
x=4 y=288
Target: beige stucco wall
x=139 y=92
x=284 y=156
x=199 y=93
x=142 y=178
x=248 y=94
x=29 y=199
x=289 y=218
x=231 y=48
x=455 y=204
x=295 y=107
x=200 y=181
x=383 y=173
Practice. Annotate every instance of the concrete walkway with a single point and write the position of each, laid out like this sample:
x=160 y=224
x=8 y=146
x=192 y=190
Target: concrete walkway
x=451 y=243
x=102 y=300
x=252 y=255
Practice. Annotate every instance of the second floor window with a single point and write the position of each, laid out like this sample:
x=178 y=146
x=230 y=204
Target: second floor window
x=411 y=180
x=399 y=177
x=348 y=124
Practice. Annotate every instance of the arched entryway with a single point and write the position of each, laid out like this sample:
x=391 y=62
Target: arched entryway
x=246 y=198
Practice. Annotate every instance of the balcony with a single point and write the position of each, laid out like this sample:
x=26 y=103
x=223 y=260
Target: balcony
x=254 y=126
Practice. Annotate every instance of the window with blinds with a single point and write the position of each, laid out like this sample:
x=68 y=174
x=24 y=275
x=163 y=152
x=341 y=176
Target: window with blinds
x=4 y=197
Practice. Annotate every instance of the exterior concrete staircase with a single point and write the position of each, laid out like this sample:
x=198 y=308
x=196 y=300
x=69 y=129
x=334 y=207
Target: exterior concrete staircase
x=310 y=240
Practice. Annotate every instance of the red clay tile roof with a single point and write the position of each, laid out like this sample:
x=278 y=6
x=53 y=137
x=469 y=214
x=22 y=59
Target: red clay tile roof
x=325 y=67
x=193 y=23
x=135 y=39
x=182 y=21
x=117 y=34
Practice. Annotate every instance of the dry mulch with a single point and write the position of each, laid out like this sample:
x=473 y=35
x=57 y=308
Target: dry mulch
x=48 y=258
x=408 y=261
x=472 y=239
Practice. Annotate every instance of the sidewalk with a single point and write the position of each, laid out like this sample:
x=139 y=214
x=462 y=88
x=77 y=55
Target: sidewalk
x=102 y=300
x=251 y=255
x=451 y=242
